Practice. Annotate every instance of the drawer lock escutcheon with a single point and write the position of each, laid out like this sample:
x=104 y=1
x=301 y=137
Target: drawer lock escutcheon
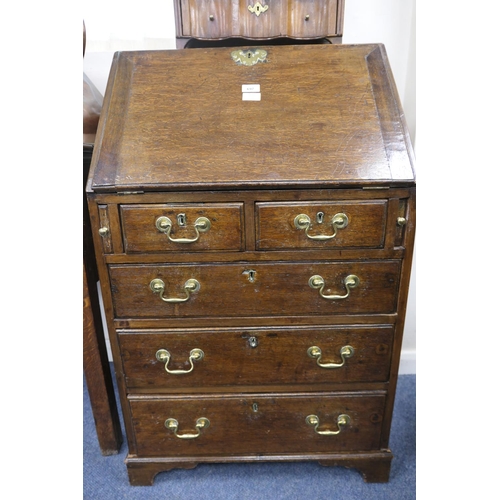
x=164 y=225
x=248 y=57
x=345 y=352
x=158 y=286
x=164 y=356
x=258 y=8
x=303 y=223
x=317 y=282
x=172 y=425
x=342 y=421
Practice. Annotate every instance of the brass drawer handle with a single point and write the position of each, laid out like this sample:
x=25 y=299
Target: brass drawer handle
x=303 y=222
x=201 y=225
x=342 y=420
x=164 y=356
x=258 y=8
x=173 y=425
x=317 y=282
x=191 y=286
x=345 y=352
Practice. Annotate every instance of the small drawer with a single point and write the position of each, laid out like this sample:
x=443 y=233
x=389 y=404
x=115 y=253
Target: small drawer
x=255 y=357
x=211 y=19
x=319 y=225
x=177 y=228
x=255 y=289
x=206 y=18
x=257 y=423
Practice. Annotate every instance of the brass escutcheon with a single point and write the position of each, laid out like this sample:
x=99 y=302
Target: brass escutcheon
x=248 y=57
x=258 y=8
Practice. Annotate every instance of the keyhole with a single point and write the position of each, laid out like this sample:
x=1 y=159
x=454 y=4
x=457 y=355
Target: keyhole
x=255 y=407
x=320 y=217
x=257 y=8
x=251 y=275
x=253 y=342
x=181 y=219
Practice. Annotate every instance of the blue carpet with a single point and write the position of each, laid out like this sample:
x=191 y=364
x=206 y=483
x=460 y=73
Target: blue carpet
x=105 y=478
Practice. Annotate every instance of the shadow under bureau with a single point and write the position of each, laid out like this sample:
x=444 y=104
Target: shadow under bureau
x=254 y=218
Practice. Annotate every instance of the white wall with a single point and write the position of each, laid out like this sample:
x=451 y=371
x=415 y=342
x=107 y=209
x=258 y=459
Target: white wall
x=391 y=22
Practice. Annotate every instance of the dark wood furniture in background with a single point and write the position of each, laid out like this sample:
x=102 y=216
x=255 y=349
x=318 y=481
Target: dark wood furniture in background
x=253 y=211
x=95 y=358
x=299 y=20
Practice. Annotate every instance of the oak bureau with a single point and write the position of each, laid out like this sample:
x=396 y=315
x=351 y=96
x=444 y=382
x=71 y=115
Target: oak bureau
x=254 y=216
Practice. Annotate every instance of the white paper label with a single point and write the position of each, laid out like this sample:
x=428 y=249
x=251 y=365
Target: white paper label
x=250 y=96
x=255 y=87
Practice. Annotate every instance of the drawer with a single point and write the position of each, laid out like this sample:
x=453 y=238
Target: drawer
x=177 y=228
x=207 y=18
x=317 y=225
x=260 y=424
x=313 y=18
x=255 y=357
x=255 y=289
x=259 y=19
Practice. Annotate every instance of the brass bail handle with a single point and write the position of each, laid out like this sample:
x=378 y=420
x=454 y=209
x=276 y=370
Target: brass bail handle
x=342 y=421
x=201 y=225
x=164 y=356
x=303 y=222
x=158 y=287
x=345 y=352
x=350 y=282
x=172 y=425
x=258 y=8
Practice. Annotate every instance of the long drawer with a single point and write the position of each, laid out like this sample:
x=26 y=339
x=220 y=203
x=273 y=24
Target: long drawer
x=257 y=423
x=255 y=289
x=210 y=359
